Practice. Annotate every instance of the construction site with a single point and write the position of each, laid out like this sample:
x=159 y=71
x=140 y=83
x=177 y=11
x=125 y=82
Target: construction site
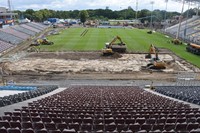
x=94 y=78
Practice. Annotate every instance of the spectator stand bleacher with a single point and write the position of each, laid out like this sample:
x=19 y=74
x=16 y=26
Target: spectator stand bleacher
x=30 y=92
x=187 y=79
x=30 y=28
x=9 y=38
x=4 y=46
x=41 y=25
x=34 y=26
x=102 y=109
x=189 y=29
x=16 y=33
x=24 y=30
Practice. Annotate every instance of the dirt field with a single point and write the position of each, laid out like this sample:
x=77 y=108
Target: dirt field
x=92 y=65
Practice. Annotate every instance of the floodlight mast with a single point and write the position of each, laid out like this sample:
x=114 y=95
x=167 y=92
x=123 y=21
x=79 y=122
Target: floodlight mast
x=165 y=18
x=9 y=8
x=180 y=20
x=152 y=2
x=136 y=13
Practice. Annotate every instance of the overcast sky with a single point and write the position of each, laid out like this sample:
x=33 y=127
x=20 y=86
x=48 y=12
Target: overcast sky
x=91 y=4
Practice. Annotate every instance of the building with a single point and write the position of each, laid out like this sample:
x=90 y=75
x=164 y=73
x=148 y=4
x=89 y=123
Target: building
x=6 y=17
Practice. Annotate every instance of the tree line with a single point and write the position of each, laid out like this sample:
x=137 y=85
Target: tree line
x=102 y=14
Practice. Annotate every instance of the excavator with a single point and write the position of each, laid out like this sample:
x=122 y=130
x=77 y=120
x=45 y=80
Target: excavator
x=39 y=42
x=112 y=47
x=155 y=62
x=44 y=41
x=193 y=48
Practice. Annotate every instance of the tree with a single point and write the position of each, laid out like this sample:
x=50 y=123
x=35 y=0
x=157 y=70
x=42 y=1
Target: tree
x=83 y=16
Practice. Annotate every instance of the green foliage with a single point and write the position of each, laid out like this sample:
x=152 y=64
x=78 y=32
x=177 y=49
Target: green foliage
x=83 y=16
x=137 y=40
x=102 y=14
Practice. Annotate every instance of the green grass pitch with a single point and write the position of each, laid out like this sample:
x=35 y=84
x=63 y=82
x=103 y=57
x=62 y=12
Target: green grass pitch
x=94 y=40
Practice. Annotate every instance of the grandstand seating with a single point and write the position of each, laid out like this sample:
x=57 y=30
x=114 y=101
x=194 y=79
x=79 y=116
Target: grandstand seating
x=15 y=33
x=10 y=38
x=101 y=109
x=34 y=26
x=192 y=28
x=30 y=28
x=4 y=46
x=24 y=30
x=185 y=93
x=40 y=25
x=8 y=100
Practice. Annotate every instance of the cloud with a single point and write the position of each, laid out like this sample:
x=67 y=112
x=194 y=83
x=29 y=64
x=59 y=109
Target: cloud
x=91 y=4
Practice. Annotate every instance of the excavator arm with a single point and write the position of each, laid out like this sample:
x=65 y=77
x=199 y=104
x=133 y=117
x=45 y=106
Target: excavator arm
x=155 y=63
x=114 y=40
x=152 y=50
x=112 y=47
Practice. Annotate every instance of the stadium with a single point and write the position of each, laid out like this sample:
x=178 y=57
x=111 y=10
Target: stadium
x=102 y=76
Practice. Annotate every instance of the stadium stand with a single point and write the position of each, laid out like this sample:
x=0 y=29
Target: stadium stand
x=34 y=26
x=189 y=29
x=103 y=109
x=31 y=93
x=4 y=46
x=40 y=25
x=16 y=33
x=10 y=38
x=24 y=30
x=30 y=28
x=186 y=93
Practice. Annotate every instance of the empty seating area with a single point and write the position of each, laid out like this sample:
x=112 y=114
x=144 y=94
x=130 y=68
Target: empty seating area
x=16 y=33
x=186 y=93
x=34 y=26
x=30 y=28
x=23 y=30
x=5 y=46
x=33 y=92
x=40 y=25
x=9 y=38
x=188 y=29
x=100 y=109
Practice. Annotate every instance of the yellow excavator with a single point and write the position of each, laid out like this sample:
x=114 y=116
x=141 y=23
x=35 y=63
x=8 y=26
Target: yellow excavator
x=155 y=62
x=112 y=47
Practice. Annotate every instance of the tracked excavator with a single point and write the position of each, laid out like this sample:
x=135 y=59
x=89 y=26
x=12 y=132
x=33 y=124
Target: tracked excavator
x=155 y=62
x=193 y=48
x=112 y=47
x=39 y=42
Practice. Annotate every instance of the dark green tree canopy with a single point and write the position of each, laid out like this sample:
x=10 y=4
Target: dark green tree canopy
x=83 y=15
x=102 y=14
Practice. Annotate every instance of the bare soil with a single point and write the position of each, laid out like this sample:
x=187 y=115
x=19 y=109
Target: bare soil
x=39 y=66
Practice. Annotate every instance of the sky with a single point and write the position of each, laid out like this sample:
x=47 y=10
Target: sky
x=92 y=4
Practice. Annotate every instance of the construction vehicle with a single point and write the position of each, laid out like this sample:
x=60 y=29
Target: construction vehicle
x=39 y=42
x=44 y=41
x=193 y=48
x=176 y=41
x=149 y=32
x=155 y=62
x=112 y=47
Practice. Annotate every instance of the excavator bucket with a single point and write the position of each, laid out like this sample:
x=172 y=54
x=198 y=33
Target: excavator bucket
x=148 y=56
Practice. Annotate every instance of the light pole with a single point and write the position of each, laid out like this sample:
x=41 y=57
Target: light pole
x=180 y=19
x=165 y=18
x=185 y=30
x=152 y=2
x=136 y=12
